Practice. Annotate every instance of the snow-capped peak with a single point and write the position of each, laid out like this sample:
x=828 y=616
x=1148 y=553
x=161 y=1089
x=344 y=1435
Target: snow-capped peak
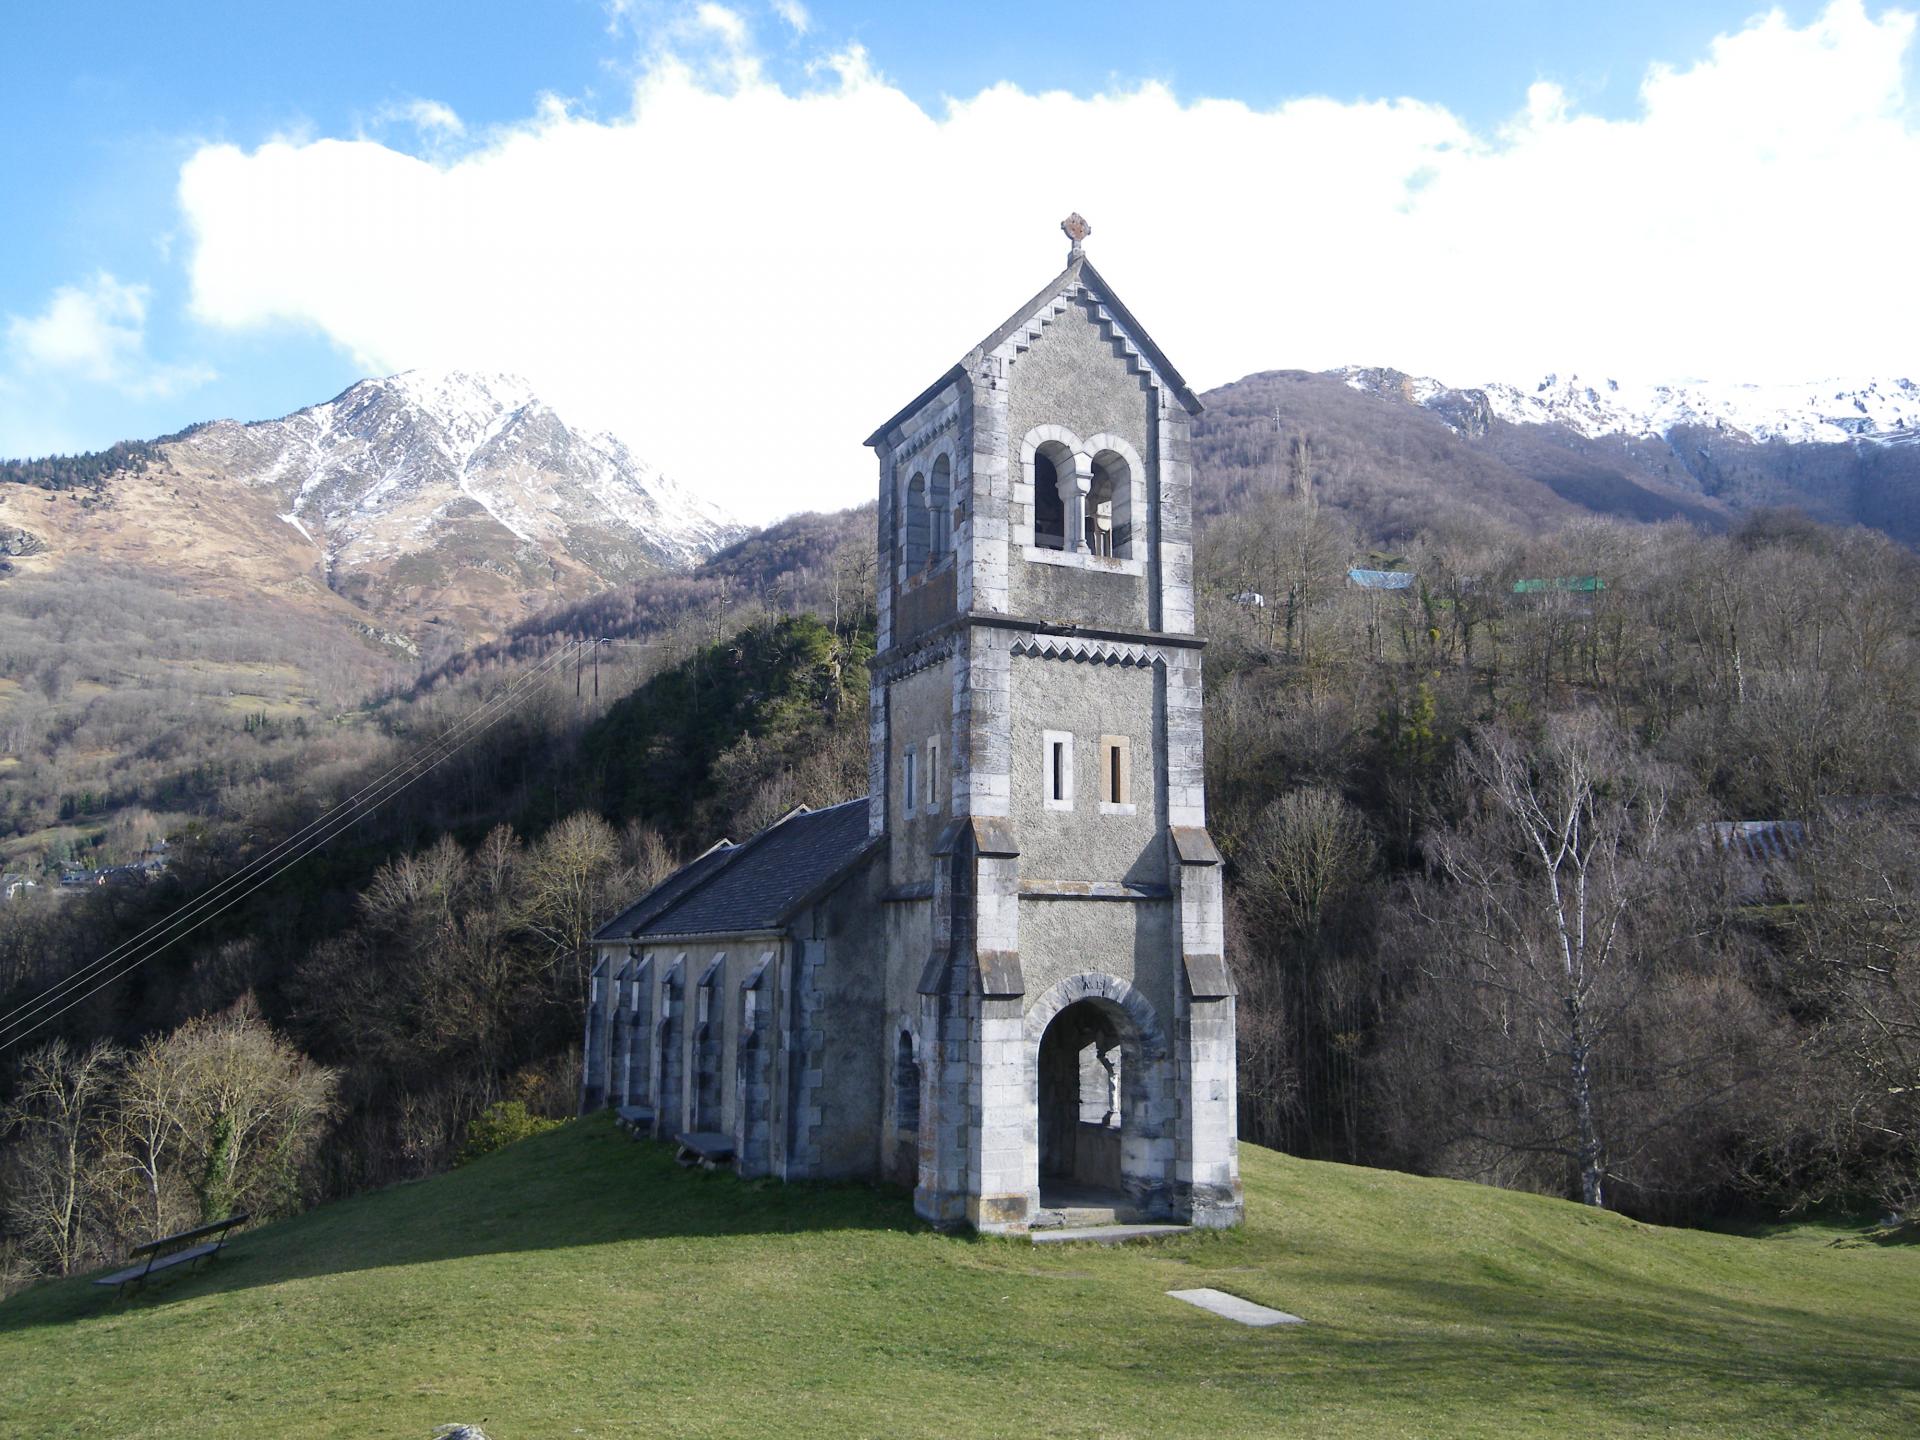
x=1811 y=412
x=463 y=468
x=463 y=403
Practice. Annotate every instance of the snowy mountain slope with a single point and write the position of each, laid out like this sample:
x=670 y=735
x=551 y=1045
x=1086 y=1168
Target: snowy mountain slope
x=379 y=470
x=433 y=510
x=1843 y=452
x=1816 y=412
x=455 y=499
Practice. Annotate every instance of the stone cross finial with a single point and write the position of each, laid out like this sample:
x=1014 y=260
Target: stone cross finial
x=1077 y=231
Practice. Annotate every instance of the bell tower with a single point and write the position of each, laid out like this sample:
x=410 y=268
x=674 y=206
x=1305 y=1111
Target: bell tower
x=1056 y=984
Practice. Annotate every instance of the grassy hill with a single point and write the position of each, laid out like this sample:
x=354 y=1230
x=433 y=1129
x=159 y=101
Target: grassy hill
x=578 y=1284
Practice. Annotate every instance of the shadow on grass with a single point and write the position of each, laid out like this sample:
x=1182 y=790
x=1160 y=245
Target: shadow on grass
x=581 y=1185
x=1647 y=1335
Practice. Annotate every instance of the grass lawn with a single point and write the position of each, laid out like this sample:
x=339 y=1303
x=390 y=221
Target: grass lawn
x=578 y=1284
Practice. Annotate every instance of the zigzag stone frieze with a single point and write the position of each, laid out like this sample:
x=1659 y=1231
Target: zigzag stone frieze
x=923 y=657
x=1093 y=652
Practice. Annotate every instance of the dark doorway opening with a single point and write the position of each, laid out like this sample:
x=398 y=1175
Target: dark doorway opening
x=1081 y=1089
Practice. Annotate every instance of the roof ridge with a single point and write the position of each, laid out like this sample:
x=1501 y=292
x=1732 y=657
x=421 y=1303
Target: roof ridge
x=1079 y=275
x=736 y=855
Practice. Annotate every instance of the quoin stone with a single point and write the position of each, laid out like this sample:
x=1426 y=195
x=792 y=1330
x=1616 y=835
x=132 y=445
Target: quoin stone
x=999 y=976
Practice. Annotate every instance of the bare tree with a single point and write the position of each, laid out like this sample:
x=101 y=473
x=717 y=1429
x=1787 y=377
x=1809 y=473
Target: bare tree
x=1307 y=994
x=145 y=1124
x=572 y=882
x=1857 y=922
x=1533 y=951
x=244 y=1108
x=57 y=1177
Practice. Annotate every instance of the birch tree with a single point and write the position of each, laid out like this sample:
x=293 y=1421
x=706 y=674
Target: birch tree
x=1533 y=963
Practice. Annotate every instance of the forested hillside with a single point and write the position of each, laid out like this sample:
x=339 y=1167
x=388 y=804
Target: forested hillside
x=1579 y=858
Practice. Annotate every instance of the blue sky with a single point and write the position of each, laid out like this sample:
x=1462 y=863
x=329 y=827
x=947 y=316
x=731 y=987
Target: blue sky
x=133 y=301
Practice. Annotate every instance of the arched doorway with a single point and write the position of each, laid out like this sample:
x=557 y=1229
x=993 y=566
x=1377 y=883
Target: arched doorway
x=1082 y=1101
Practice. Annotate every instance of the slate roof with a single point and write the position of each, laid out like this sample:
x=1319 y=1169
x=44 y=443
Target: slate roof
x=1382 y=579
x=1078 y=272
x=636 y=916
x=738 y=889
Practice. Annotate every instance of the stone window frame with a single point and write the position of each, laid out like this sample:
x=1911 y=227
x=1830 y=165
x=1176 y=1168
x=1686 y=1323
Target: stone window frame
x=1122 y=746
x=938 y=528
x=1048 y=740
x=916 y=529
x=1130 y=505
x=1134 y=562
x=909 y=781
x=930 y=757
x=939 y=508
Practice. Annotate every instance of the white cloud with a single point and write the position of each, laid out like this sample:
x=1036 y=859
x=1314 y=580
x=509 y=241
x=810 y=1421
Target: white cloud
x=728 y=26
x=794 y=14
x=742 y=279
x=96 y=332
x=431 y=117
x=92 y=330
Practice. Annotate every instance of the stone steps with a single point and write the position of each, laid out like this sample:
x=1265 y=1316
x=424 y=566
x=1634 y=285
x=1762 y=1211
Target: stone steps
x=1050 y=1217
x=1110 y=1234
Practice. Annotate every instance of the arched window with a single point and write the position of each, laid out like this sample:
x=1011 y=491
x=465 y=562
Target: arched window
x=940 y=510
x=1100 y=512
x=1049 y=513
x=906 y=1087
x=1110 y=505
x=916 y=524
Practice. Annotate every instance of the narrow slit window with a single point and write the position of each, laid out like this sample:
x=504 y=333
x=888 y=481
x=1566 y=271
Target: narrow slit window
x=933 y=774
x=1116 y=775
x=907 y=787
x=1056 y=760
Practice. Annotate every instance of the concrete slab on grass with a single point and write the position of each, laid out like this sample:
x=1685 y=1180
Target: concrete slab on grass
x=1234 y=1308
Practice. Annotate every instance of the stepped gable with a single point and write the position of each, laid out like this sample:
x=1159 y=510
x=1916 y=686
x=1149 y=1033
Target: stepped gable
x=757 y=885
x=1079 y=279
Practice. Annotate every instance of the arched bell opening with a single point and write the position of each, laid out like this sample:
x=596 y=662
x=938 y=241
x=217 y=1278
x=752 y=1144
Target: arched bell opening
x=1050 y=461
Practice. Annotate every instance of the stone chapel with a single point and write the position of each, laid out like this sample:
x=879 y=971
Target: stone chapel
x=999 y=976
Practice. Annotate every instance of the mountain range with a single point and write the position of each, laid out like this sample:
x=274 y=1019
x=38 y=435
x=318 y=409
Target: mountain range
x=419 y=505
x=1821 y=412
x=1402 y=452
x=436 y=511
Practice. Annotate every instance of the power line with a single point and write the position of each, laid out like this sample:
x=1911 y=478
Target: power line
x=332 y=823
x=221 y=897
x=268 y=857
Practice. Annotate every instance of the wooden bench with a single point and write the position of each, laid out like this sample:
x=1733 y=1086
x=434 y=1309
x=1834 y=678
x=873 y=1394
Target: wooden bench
x=706 y=1148
x=162 y=1254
